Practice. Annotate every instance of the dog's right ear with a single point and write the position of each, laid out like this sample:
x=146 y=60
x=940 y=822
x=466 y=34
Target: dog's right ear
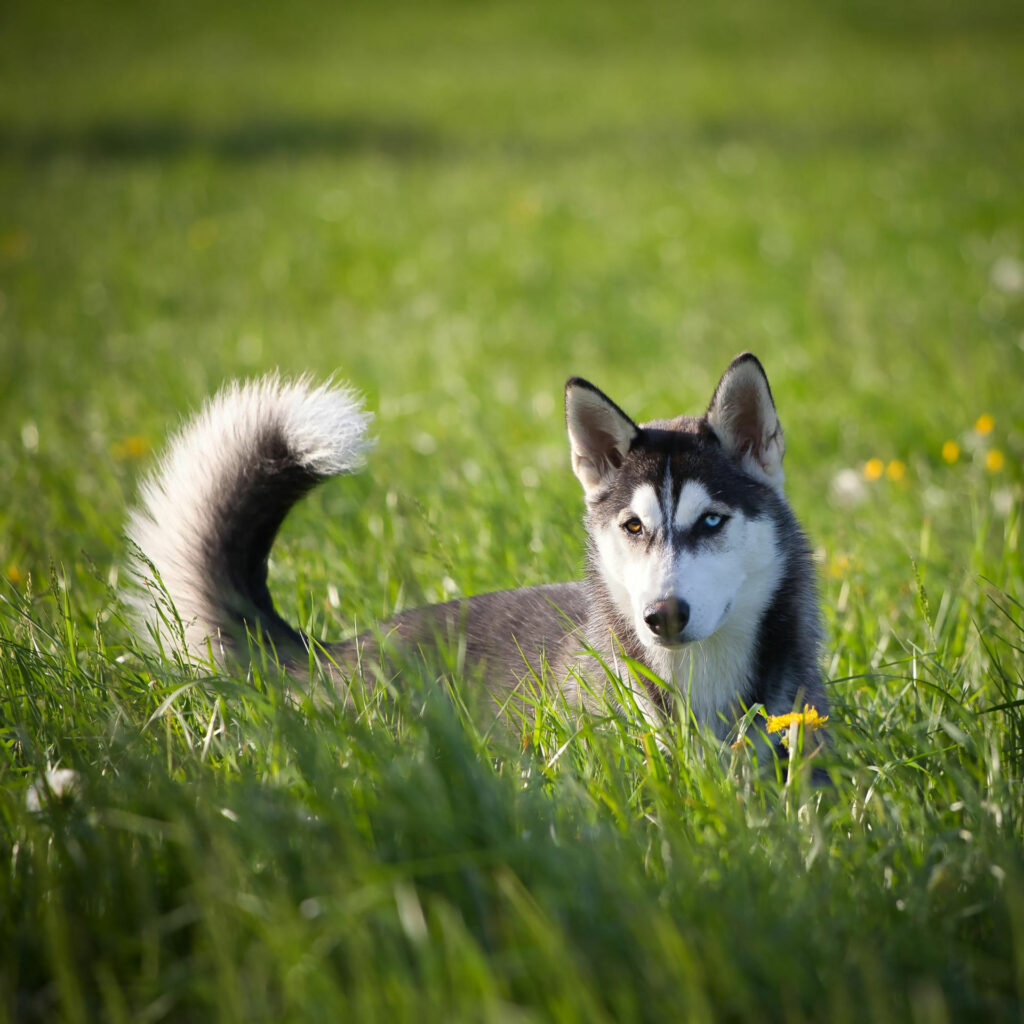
x=600 y=433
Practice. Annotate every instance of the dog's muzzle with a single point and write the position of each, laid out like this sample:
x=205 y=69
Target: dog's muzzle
x=667 y=619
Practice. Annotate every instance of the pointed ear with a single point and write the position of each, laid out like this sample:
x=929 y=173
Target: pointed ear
x=742 y=414
x=600 y=433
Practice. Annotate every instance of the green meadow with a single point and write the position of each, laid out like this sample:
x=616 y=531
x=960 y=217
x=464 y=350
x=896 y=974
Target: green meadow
x=455 y=206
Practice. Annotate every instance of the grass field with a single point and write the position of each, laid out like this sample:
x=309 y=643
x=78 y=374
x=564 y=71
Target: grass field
x=456 y=206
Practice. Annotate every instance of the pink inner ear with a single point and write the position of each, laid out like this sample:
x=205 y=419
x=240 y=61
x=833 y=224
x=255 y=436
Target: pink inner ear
x=743 y=416
x=599 y=431
x=748 y=430
x=605 y=446
x=615 y=457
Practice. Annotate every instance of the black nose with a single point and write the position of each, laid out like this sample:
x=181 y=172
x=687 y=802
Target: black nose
x=667 y=618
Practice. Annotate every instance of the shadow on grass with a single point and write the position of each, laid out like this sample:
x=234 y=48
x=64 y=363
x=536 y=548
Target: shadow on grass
x=273 y=137
x=244 y=140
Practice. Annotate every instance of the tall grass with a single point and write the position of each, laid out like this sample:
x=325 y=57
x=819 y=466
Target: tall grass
x=228 y=854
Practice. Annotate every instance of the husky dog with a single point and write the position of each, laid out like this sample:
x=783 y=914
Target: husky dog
x=698 y=574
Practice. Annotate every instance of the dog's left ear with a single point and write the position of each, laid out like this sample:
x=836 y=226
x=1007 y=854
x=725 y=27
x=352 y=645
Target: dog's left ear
x=742 y=414
x=600 y=433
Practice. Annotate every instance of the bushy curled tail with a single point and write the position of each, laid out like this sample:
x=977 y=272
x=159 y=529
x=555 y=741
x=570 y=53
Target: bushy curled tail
x=211 y=509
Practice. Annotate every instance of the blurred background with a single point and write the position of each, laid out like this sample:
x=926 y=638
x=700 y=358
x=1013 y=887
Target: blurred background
x=457 y=205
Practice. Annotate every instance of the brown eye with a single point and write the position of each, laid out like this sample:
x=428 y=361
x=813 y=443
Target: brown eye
x=633 y=526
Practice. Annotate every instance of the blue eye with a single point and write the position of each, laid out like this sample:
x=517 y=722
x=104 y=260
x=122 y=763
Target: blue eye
x=712 y=521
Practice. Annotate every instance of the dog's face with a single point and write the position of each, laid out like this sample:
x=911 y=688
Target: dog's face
x=680 y=553
x=679 y=511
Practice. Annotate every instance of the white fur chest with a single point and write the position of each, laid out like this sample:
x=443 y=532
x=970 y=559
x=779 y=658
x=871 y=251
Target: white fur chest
x=709 y=676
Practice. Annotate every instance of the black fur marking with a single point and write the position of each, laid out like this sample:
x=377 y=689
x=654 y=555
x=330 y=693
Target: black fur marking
x=789 y=635
x=251 y=510
x=688 y=454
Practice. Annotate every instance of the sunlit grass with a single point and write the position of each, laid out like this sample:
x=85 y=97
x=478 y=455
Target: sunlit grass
x=457 y=209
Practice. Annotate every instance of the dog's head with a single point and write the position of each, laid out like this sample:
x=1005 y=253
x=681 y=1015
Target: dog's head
x=681 y=512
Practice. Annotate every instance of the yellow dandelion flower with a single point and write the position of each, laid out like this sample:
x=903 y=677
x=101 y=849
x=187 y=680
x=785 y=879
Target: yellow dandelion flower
x=14 y=244
x=525 y=208
x=839 y=566
x=994 y=460
x=808 y=718
x=984 y=424
x=14 y=574
x=132 y=447
x=873 y=469
x=950 y=452
x=896 y=470
x=202 y=234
